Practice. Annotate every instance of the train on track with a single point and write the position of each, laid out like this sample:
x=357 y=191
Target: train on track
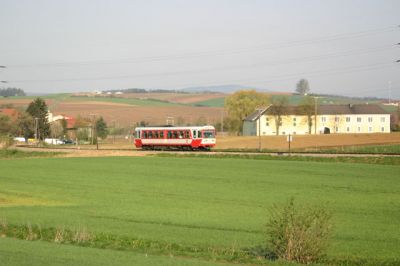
x=171 y=137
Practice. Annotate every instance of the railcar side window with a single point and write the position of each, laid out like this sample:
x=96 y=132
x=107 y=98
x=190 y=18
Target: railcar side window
x=194 y=134
x=145 y=134
x=169 y=135
x=161 y=134
x=156 y=134
x=187 y=135
x=199 y=134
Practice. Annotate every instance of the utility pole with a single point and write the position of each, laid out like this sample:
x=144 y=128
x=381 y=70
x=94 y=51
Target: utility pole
x=259 y=131
x=3 y=81
x=390 y=90
x=36 y=129
x=222 y=121
x=113 y=131
x=93 y=117
x=315 y=115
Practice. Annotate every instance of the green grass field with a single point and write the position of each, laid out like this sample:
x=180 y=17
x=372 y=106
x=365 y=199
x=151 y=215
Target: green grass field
x=131 y=101
x=377 y=149
x=202 y=204
x=20 y=252
x=217 y=102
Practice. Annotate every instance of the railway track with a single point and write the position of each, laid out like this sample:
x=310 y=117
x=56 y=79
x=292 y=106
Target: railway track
x=217 y=152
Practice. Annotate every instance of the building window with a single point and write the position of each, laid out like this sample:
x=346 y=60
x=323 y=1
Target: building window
x=369 y=129
x=267 y=122
x=382 y=119
x=348 y=129
x=359 y=129
x=336 y=129
x=383 y=129
x=369 y=119
x=323 y=119
x=348 y=119
x=337 y=119
x=283 y=133
x=359 y=119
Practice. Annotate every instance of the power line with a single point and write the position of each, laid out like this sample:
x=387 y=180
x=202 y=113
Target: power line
x=224 y=68
x=275 y=78
x=256 y=48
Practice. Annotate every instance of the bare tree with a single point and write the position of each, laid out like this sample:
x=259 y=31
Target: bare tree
x=307 y=108
x=278 y=109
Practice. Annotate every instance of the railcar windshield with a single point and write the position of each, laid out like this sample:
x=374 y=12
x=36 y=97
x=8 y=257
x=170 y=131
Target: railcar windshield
x=208 y=134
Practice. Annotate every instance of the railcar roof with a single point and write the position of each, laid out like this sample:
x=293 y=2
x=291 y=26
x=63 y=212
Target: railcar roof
x=176 y=128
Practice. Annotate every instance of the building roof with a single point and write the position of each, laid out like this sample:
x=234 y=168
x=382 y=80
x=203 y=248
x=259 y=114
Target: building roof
x=70 y=122
x=254 y=116
x=359 y=109
x=10 y=112
x=333 y=109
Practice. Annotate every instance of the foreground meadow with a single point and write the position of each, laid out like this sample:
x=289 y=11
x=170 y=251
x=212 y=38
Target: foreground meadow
x=205 y=208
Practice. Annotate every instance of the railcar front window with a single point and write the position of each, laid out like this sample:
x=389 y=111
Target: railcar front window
x=208 y=134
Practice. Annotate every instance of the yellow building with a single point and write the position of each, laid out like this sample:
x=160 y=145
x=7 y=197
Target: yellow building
x=330 y=119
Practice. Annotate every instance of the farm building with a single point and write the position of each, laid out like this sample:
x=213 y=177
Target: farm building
x=330 y=119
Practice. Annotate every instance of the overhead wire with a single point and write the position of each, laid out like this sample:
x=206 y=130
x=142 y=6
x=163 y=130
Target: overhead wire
x=253 y=49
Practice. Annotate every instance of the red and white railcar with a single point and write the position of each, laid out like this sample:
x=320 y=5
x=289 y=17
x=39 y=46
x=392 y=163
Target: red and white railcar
x=185 y=138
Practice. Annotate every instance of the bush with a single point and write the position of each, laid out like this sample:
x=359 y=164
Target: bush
x=6 y=142
x=298 y=233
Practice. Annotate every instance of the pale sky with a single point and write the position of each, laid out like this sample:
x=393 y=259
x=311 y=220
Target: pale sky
x=342 y=47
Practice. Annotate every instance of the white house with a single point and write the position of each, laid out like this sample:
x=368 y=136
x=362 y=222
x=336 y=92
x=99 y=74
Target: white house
x=329 y=119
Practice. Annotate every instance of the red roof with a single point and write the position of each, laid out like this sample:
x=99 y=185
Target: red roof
x=10 y=112
x=70 y=121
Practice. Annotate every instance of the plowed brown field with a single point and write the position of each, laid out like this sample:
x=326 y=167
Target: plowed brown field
x=307 y=141
x=126 y=115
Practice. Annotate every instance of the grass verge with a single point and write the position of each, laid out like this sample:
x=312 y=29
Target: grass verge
x=384 y=160
x=81 y=237
x=15 y=154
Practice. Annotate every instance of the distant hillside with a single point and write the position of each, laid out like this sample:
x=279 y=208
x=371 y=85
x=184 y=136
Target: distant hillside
x=220 y=89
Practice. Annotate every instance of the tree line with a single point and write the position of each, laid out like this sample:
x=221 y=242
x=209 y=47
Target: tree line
x=8 y=92
x=33 y=123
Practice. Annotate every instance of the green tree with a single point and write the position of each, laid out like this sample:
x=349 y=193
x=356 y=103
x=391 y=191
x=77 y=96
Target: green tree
x=64 y=125
x=101 y=128
x=5 y=125
x=241 y=104
x=38 y=110
x=307 y=108
x=24 y=126
x=278 y=109
x=303 y=87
